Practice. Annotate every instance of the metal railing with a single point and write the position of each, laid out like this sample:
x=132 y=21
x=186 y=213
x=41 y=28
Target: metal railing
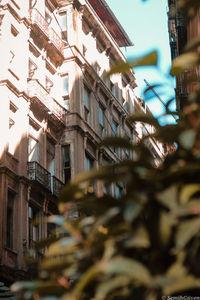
x=57 y=186
x=36 y=90
x=37 y=173
x=37 y=19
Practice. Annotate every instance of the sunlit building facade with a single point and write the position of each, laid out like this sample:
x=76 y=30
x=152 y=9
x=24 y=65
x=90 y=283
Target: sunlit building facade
x=56 y=106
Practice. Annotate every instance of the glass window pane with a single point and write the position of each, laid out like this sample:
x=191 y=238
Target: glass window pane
x=101 y=116
x=30 y=212
x=66 y=155
x=33 y=150
x=86 y=98
x=114 y=128
x=89 y=163
x=66 y=163
x=65 y=85
x=63 y=21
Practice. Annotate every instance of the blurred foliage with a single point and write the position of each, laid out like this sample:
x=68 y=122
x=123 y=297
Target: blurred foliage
x=143 y=244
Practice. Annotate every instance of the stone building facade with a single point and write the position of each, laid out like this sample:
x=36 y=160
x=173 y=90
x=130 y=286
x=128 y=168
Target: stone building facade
x=181 y=32
x=56 y=106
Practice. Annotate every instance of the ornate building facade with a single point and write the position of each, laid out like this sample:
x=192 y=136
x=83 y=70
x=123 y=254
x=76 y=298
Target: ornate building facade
x=56 y=106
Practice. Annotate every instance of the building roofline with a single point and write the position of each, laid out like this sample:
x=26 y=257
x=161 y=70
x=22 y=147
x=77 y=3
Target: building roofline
x=112 y=24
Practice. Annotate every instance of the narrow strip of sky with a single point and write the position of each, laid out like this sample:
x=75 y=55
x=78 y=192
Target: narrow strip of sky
x=146 y=24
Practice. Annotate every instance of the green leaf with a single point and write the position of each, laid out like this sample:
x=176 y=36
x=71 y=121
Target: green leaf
x=187 y=209
x=188 y=191
x=63 y=246
x=150 y=59
x=182 y=284
x=57 y=263
x=106 y=287
x=140 y=239
x=52 y=288
x=177 y=270
x=127 y=267
x=103 y=219
x=186 y=231
x=184 y=62
x=168 y=197
x=145 y=118
x=18 y=286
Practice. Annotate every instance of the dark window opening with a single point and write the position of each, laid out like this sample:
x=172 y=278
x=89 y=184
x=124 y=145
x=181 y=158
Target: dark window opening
x=67 y=163
x=34 y=229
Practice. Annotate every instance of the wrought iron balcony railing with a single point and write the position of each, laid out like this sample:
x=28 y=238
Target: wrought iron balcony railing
x=39 y=174
x=39 y=21
x=55 y=109
x=56 y=40
x=57 y=186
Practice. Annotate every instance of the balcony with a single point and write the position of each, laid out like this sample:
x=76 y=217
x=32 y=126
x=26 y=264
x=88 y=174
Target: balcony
x=39 y=174
x=57 y=111
x=56 y=41
x=39 y=24
x=57 y=186
x=40 y=95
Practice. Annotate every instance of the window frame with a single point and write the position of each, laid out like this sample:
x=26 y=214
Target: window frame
x=66 y=164
x=87 y=104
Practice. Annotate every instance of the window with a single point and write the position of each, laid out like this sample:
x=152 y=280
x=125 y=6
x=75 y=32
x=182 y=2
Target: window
x=10 y=220
x=65 y=86
x=113 y=88
x=101 y=120
x=50 y=157
x=101 y=112
x=86 y=105
x=34 y=229
x=33 y=149
x=33 y=143
x=114 y=128
x=48 y=18
x=127 y=153
x=66 y=163
x=63 y=23
x=118 y=191
x=89 y=163
x=115 y=133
